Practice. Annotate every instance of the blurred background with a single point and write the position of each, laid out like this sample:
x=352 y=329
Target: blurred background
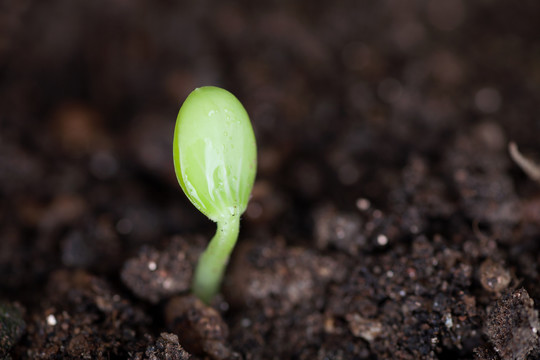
x=340 y=94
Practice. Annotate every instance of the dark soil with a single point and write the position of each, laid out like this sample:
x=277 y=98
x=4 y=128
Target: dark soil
x=387 y=219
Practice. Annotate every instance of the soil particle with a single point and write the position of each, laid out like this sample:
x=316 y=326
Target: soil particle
x=493 y=276
x=200 y=328
x=12 y=327
x=155 y=275
x=166 y=347
x=512 y=326
x=367 y=329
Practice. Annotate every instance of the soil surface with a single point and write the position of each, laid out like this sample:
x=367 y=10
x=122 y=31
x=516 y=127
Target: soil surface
x=387 y=221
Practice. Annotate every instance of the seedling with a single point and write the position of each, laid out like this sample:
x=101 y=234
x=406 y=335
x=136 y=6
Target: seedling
x=215 y=160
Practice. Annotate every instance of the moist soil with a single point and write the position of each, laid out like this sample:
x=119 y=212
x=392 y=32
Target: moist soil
x=387 y=220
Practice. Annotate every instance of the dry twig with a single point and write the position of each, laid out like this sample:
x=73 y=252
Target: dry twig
x=528 y=166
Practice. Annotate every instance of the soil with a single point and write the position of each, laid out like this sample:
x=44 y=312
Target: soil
x=387 y=220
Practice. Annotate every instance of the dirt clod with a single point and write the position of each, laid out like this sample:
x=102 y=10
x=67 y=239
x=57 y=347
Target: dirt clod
x=166 y=347
x=279 y=278
x=154 y=275
x=512 y=326
x=200 y=328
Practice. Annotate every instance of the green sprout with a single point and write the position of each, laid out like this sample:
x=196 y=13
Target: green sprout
x=215 y=160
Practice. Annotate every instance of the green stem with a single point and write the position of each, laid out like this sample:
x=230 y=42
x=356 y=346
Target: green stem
x=214 y=259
